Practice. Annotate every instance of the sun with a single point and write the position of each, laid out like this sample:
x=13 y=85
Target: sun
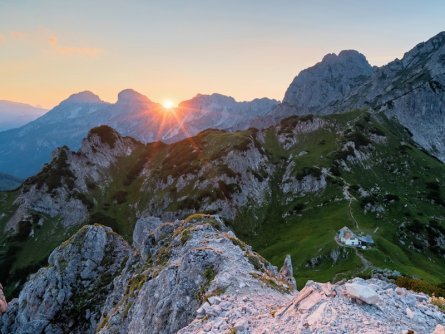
x=168 y=104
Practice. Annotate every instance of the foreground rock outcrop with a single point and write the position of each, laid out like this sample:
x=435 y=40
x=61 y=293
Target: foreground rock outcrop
x=66 y=296
x=195 y=276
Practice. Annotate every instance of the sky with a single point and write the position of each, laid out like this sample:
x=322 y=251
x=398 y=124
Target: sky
x=171 y=49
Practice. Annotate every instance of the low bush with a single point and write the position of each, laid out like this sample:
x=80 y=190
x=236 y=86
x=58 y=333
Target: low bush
x=420 y=286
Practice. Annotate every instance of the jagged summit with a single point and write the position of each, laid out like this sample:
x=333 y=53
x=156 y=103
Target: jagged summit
x=327 y=82
x=208 y=98
x=431 y=45
x=83 y=97
x=130 y=96
x=344 y=56
x=216 y=98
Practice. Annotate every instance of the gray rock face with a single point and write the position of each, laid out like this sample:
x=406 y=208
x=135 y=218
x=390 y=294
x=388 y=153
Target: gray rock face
x=182 y=266
x=315 y=89
x=67 y=295
x=142 y=229
x=287 y=272
x=195 y=276
x=412 y=90
x=191 y=263
x=70 y=172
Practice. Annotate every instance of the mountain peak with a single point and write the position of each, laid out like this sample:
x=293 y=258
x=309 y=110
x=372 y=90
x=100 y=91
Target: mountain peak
x=131 y=96
x=83 y=97
x=212 y=98
x=327 y=82
x=344 y=56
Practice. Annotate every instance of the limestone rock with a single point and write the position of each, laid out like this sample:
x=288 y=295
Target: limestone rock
x=67 y=296
x=142 y=229
x=327 y=82
x=195 y=278
x=362 y=292
x=287 y=272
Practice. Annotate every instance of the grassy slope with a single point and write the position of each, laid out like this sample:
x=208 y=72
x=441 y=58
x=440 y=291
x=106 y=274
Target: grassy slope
x=311 y=232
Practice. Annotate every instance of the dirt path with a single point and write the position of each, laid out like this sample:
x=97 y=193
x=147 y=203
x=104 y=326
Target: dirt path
x=365 y=263
x=350 y=213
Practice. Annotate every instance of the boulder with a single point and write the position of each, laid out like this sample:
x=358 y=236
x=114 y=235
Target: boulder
x=142 y=229
x=362 y=292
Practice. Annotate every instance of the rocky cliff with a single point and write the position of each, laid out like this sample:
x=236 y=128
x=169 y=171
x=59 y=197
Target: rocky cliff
x=317 y=89
x=410 y=89
x=196 y=276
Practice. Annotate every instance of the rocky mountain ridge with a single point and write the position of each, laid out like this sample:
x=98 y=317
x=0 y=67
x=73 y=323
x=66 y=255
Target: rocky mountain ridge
x=410 y=89
x=25 y=150
x=14 y=114
x=196 y=276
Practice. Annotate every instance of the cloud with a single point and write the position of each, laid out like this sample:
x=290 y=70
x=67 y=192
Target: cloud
x=17 y=34
x=70 y=50
x=42 y=38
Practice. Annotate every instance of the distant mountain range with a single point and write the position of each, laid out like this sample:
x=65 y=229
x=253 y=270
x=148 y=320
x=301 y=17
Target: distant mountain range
x=8 y=182
x=14 y=114
x=23 y=151
x=412 y=90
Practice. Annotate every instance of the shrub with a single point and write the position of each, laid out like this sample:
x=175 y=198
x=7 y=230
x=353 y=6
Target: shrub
x=106 y=134
x=419 y=286
x=434 y=193
x=84 y=199
x=344 y=154
x=359 y=139
x=208 y=275
x=439 y=302
x=228 y=189
x=120 y=197
x=392 y=197
x=185 y=236
x=55 y=173
x=313 y=171
x=103 y=219
x=415 y=226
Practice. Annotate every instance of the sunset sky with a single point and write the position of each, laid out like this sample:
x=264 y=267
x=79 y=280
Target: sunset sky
x=170 y=49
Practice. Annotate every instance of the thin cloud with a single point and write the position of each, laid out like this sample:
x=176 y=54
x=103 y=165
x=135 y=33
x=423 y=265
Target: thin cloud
x=69 y=50
x=44 y=38
x=17 y=34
